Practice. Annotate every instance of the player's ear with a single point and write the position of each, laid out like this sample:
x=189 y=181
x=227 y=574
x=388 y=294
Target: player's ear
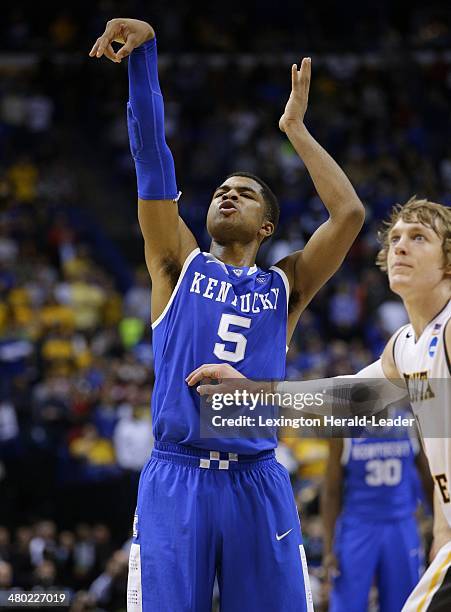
x=266 y=230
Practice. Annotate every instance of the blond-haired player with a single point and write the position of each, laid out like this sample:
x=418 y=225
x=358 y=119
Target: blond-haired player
x=416 y=254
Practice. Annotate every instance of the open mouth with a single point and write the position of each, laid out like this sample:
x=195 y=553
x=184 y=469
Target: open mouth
x=227 y=207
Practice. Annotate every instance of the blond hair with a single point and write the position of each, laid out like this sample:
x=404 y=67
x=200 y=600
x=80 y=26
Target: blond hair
x=432 y=215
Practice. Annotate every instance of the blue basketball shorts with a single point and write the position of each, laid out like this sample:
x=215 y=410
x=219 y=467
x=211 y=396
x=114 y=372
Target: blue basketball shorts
x=202 y=514
x=387 y=553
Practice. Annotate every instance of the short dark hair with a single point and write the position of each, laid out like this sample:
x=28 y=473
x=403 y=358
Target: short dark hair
x=271 y=202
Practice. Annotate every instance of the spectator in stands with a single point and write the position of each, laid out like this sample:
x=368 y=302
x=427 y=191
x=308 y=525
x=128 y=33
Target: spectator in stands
x=6 y=575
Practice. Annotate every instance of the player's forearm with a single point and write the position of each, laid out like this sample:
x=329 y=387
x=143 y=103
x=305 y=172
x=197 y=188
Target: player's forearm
x=330 y=510
x=331 y=183
x=154 y=164
x=363 y=394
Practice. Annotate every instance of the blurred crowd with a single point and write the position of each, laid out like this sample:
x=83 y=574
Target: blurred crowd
x=75 y=340
x=85 y=563
x=255 y=26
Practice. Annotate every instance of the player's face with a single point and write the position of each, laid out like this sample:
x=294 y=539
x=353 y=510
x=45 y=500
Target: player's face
x=237 y=211
x=415 y=262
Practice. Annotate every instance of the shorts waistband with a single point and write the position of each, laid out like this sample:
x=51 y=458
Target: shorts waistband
x=207 y=459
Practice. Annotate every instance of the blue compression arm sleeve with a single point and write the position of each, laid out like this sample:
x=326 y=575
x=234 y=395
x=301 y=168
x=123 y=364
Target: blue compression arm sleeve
x=154 y=163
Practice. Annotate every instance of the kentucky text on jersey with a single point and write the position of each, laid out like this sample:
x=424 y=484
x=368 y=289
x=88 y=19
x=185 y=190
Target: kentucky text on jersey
x=216 y=313
x=362 y=452
x=208 y=288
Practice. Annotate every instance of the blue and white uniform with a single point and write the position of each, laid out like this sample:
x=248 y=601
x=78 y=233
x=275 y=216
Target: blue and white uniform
x=376 y=537
x=216 y=506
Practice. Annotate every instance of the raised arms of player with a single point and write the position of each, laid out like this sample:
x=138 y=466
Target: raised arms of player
x=167 y=239
x=308 y=270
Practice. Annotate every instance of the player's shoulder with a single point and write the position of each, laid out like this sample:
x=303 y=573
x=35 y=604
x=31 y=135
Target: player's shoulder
x=447 y=341
x=279 y=272
x=400 y=334
x=447 y=329
x=389 y=353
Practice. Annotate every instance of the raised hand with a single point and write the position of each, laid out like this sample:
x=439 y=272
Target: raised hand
x=131 y=33
x=228 y=381
x=297 y=102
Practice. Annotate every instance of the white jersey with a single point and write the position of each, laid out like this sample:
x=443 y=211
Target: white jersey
x=425 y=366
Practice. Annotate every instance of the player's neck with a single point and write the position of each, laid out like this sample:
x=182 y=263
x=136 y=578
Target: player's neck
x=422 y=309
x=235 y=254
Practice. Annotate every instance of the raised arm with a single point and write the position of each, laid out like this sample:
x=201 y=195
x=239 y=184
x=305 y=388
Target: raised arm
x=308 y=270
x=167 y=239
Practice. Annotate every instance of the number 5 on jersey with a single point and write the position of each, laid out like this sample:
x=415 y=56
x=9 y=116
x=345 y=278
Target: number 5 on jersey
x=227 y=320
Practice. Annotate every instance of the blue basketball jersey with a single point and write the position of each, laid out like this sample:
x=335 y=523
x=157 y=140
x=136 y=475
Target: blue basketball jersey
x=217 y=313
x=380 y=478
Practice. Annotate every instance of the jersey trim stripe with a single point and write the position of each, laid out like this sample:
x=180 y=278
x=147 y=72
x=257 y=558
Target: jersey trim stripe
x=134 y=584
x=188 y=260
x=211 y=258
x=403 y=328
x=435 y=583
x=307 y=588
x=283 y=276
x=442 y=598
x=346 y=452
x=445 y=347
x=439 y=313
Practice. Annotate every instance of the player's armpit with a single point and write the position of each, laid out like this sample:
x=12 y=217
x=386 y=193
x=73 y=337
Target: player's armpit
x=167 y=238
x=167 y=244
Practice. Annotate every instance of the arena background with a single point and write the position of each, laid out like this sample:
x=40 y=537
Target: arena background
x=75 y=343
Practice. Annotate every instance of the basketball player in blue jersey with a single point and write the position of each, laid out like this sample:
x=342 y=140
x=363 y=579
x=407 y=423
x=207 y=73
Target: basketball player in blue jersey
x=220 y=507
x=370 y=496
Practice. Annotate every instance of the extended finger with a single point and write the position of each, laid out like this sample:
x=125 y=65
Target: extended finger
x=102 y=44
x=306 y=71
x=113 y=28
x=209 y=370
x=94 y=48
x=211 y=389
x=110 y=54
x=127 y=48
x=193 y=373
x=294 y=75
